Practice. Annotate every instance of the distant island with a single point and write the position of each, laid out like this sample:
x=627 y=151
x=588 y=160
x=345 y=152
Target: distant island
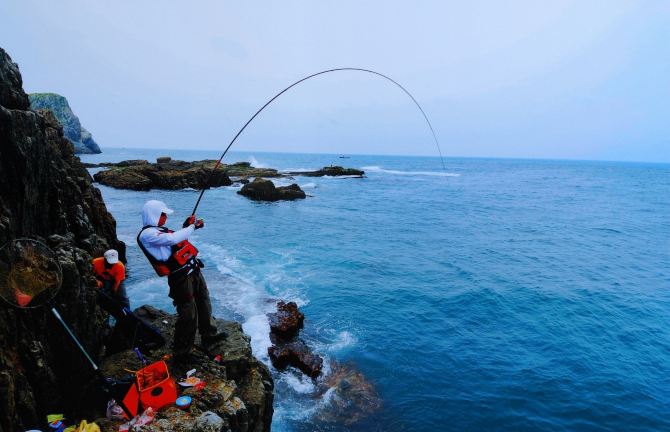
x=81 y=139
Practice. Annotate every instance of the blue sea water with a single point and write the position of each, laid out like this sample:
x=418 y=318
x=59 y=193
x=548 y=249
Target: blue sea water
x=521 y=295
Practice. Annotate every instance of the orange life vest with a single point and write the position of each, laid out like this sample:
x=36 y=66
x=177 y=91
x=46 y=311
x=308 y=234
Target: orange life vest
x=183 y=256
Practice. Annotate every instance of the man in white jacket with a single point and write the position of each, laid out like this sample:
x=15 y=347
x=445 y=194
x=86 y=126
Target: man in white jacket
x=172 y=255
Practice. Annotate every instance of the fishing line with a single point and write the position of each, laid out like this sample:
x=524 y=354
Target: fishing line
x=432 y=131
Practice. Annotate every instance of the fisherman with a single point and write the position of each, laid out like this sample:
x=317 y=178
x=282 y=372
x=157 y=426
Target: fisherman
x=110 y=274
x=172 y=255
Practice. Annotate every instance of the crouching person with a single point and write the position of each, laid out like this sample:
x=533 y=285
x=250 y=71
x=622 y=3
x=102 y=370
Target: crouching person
x=109 y=274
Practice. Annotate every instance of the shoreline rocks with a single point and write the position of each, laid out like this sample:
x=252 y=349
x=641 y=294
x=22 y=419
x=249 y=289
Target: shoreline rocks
x=169 y=174
x=264 y=190
x=238 y=392
x=164 y=174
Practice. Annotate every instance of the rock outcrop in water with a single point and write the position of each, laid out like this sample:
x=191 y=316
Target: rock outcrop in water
x=287 y=348
x=264 y=190
x=175 y=174
x=81 y=138
x=238 y=389
x=46 y=193
x=164 y=174
x=333 y=171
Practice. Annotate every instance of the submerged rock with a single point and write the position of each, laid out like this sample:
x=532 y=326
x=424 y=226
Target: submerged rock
x=264 y=190
x=80 y=138
x=333 y=171
x=350 y=396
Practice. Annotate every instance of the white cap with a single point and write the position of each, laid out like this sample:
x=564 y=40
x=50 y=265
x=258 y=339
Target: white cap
x=112 y=256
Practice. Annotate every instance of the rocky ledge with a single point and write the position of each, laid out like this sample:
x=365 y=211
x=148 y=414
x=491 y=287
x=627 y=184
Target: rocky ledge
x=237 y=395
x=170 y=174
x=164 y=174
x=264 y=190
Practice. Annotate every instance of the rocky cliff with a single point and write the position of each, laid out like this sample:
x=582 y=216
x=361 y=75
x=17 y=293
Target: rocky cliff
x=45 y=193
x=81 y=138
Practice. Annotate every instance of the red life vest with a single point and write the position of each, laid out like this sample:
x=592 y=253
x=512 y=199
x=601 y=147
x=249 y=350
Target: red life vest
x=182 y=257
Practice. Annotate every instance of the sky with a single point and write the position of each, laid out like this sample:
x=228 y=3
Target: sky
x=560 y=80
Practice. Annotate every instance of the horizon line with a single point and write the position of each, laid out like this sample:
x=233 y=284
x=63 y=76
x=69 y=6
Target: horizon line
x=399 y=155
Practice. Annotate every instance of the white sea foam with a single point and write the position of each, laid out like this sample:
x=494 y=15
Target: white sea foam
x=308 y=186
x=378 y=169
x=344 y=340
x=255 y=163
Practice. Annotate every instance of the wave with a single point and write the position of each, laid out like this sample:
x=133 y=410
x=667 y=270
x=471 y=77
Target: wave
x=378 y=169
x=255 y=163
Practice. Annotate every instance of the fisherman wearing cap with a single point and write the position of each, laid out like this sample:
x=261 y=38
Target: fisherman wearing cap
x=110 y=274
x=172 y=255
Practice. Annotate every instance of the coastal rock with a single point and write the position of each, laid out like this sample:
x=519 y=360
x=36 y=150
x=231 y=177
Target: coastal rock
x=165 y=174
x=264 y=190
x=208 y=422
x=287 y=321
x=81 y=139
x=351 y=396
x=333 y=171
x=297 y=354
x=238 y=390
x=45 y=193
x=287 y=348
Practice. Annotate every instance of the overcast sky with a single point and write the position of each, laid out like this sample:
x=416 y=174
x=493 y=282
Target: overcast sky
x=540 y=79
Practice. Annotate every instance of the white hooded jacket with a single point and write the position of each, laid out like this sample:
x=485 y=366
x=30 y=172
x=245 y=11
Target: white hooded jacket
x=156 y=242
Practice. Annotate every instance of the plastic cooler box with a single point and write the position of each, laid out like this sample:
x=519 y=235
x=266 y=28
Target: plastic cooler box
x=154 y=388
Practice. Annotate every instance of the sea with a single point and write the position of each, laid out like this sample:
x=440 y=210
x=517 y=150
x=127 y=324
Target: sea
x=498 y=295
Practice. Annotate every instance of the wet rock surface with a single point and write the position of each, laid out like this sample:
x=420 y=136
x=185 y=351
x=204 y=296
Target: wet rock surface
x=264 y=190
x=287 y=321
x=238 y=393
x=45 y=193
x=287 y=348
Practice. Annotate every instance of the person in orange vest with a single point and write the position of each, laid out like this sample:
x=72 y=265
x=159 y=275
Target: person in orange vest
x=110 y=274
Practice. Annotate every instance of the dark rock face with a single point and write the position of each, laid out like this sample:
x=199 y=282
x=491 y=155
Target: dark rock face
x=165 y=174
x=46 y=193
x=297 y=354
x=287 y=348
x=264 y=190
x=333 y=171
x=287 y=321
x=238 y=388
x=81 y=138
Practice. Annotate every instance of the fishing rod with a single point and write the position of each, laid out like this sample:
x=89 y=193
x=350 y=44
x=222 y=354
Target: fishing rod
x=432 y=131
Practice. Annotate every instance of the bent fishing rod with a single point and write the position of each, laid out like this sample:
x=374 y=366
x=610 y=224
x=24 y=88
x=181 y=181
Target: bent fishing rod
x=432 y=131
